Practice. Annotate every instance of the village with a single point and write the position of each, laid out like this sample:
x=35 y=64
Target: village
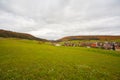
x=103 y=45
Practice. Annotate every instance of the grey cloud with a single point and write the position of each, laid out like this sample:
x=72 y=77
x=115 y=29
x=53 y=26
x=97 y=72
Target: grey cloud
x=53 y=19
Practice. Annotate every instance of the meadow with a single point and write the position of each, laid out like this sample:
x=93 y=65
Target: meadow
x=29 y=60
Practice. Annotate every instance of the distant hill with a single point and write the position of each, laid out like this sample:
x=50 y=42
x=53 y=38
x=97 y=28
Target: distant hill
x=91 y=37
x=11 y=34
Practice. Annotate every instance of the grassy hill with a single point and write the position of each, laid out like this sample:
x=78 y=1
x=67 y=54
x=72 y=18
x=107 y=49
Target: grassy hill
x=90 y=37
x=29 y=60
x=11 y=34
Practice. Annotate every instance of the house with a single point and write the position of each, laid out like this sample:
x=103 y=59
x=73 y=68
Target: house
x=117 y=48
x=57 y=44
x=94 y=45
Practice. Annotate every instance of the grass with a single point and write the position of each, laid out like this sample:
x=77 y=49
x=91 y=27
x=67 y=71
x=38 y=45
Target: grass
x=29 y=60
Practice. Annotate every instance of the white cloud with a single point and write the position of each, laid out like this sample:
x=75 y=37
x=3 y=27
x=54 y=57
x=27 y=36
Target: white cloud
x=53 y=19
x=15 y=22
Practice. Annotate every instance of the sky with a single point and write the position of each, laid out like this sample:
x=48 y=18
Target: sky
x=54 y=19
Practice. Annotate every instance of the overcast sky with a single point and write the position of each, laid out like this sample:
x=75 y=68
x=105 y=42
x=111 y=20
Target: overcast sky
x=53 y=19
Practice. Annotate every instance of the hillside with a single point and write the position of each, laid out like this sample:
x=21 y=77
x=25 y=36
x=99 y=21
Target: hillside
x=11 y=34
x=91 y=37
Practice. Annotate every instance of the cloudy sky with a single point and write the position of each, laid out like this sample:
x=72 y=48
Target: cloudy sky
x=53 y=19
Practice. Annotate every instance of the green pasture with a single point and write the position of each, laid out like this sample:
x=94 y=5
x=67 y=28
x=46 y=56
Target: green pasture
x=31 y=60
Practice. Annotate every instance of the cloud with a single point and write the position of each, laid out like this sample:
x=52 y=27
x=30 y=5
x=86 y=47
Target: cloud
x=15 y=22
x=53 y=19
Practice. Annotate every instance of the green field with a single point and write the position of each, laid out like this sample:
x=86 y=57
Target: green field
x=29 y=60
